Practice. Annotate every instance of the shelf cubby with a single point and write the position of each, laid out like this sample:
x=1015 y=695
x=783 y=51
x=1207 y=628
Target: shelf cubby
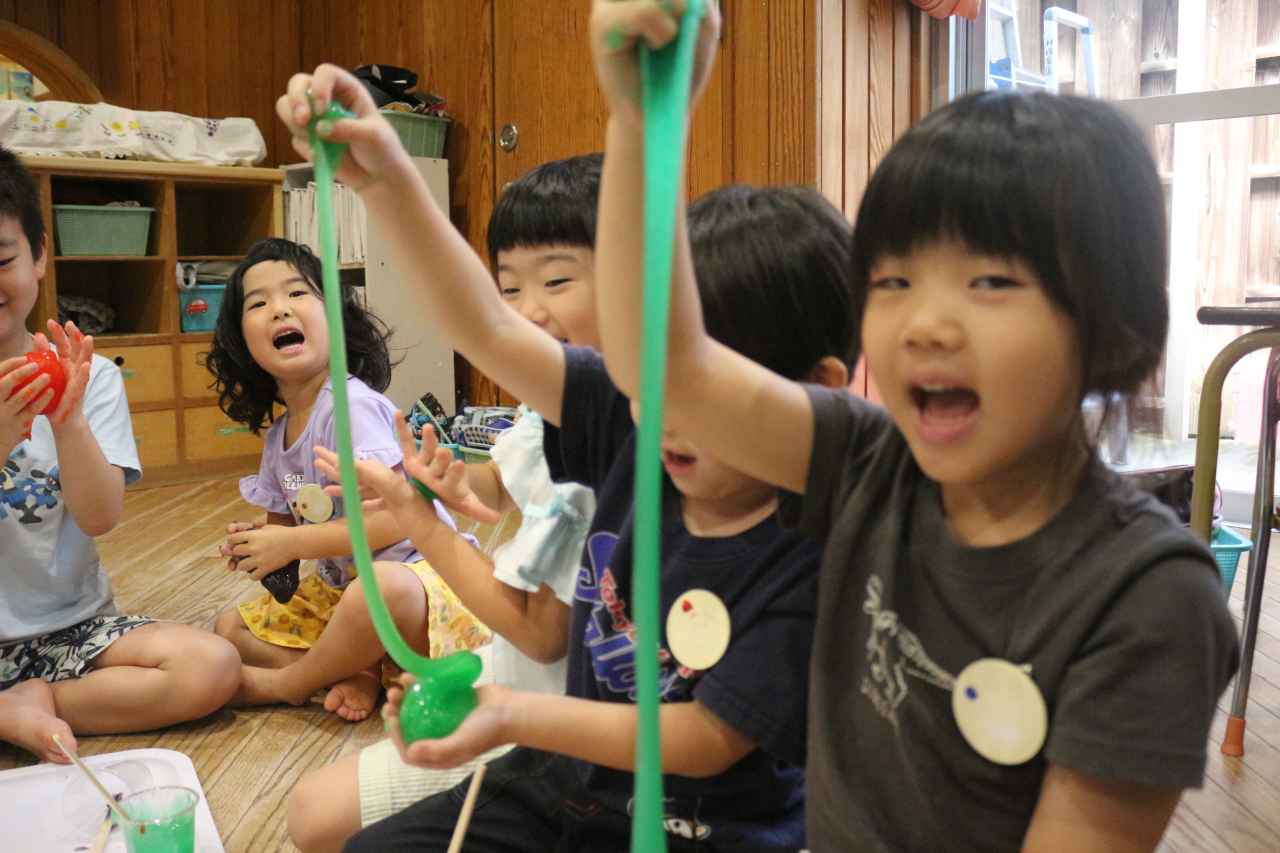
x=202 y=213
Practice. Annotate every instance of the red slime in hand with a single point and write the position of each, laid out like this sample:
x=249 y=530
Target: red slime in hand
x=51 y=367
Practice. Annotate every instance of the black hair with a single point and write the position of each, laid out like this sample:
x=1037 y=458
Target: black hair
x=20 y=198
x=1065 y=185
x=246 y=392
x=552 y=204
x=772 y=265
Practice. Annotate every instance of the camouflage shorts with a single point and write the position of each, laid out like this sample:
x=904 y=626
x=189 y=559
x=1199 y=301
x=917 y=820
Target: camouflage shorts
x=68 y=653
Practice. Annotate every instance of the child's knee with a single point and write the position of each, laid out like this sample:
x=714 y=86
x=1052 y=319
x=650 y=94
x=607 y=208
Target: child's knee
x=401 y=590
x=318 y=822
x=308 y=825
x=209 y=667
x=229 y=623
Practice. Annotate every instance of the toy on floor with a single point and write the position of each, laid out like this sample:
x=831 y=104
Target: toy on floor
x=442 y=696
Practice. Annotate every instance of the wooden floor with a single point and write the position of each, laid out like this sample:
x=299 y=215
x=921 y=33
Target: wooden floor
x=163 y=561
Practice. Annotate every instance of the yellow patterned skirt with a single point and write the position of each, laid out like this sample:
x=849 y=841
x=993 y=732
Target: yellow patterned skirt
x=297 y=623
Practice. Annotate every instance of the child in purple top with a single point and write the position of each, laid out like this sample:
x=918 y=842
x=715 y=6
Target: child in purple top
x=271 y=346
x=287 y=468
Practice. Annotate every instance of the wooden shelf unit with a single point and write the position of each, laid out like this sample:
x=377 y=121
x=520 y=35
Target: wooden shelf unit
x=202 y=213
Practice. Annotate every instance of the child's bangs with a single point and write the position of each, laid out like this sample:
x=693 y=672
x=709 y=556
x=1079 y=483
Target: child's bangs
x=974 y=182
x=551 y=205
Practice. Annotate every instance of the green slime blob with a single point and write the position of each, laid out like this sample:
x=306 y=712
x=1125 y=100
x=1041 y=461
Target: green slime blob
x=442 y=696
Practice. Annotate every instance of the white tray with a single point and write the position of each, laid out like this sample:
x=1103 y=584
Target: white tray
x=48 y=809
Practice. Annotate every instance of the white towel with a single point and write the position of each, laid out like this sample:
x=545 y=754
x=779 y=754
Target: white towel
x=64 y=129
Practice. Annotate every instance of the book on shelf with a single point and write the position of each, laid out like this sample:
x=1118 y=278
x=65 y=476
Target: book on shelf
x=302 y=221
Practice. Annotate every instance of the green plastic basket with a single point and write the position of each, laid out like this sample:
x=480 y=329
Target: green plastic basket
x=86 y=229
x=421 y=136
x=460 y=451
x=1227 y=547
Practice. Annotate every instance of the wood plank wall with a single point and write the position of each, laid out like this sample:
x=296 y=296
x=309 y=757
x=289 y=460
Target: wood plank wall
x=872 y=83
x=208 y=59
x=805 y=91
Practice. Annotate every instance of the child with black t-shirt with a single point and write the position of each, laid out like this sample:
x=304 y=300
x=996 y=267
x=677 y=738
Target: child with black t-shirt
x=1015 y=649
x=734 y=732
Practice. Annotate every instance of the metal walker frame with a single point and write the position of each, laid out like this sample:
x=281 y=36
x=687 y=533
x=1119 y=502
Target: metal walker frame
x=1206 y=472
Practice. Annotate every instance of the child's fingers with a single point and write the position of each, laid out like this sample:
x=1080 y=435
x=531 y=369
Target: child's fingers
x=621 y=24
x=11 y=381
x=472 y=506
x=453 y=474
x=14 y=370
x=36 y=406
x=336 y=83
x=440 y=462
x=59 y=339
x=259 y=573
x=293 y=108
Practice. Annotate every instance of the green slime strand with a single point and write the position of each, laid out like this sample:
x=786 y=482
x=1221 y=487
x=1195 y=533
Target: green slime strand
x=665 y=77
x=442 y=696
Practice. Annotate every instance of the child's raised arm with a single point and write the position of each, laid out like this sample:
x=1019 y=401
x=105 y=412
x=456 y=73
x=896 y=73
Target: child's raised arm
x=450 y=283
x=733 y=408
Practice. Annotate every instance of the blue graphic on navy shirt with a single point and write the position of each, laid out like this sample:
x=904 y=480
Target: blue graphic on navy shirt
x=610 y=636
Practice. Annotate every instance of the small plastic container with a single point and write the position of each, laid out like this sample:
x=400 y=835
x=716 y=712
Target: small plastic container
x=88 y=229
x=421 y=136
x=461 y=452
x=200 y=306
x=1227 y=548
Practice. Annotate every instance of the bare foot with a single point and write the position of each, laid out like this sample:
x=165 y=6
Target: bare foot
x=259 y=686
x=353 y=698
x=29 y=719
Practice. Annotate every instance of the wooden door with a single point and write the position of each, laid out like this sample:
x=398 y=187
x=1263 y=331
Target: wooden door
x=544 y=85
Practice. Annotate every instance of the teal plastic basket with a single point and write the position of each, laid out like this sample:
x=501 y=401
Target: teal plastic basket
x=421 y=136
x=1227 y=548
x=86 y=229
x=460 y=451
x=200 y=306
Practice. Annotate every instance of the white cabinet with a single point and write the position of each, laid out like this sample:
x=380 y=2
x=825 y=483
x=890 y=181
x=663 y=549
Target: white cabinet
x=427 y=360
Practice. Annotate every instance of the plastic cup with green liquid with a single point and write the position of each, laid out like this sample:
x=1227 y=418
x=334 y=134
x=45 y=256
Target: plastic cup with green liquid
x=161 y=820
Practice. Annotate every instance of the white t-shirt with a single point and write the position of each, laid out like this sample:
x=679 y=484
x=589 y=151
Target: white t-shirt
x=547 y=548
x=50 y=577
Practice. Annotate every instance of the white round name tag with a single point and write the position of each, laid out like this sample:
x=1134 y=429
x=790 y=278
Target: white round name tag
x=313 y=504
x=1000 y=711
x=698 y=629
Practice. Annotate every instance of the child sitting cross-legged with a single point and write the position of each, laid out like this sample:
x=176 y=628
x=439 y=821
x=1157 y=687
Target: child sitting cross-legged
x=271 y=344
x=1015 y=650
x=541 y=237
x=733 y=732
x=70 y=663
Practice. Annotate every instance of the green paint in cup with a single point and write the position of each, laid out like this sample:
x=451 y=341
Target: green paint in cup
x=161 y=820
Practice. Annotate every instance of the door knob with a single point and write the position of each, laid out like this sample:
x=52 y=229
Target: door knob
x=509 y=137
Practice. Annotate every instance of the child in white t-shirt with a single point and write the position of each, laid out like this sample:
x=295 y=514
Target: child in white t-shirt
x=69 y=662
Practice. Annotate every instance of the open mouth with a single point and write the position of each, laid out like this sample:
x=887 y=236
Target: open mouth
x=944 y=412
x=944 y=403
x=289 y=339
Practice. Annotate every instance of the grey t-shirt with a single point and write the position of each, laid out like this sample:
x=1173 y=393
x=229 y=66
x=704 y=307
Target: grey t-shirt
x=1118 y=612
